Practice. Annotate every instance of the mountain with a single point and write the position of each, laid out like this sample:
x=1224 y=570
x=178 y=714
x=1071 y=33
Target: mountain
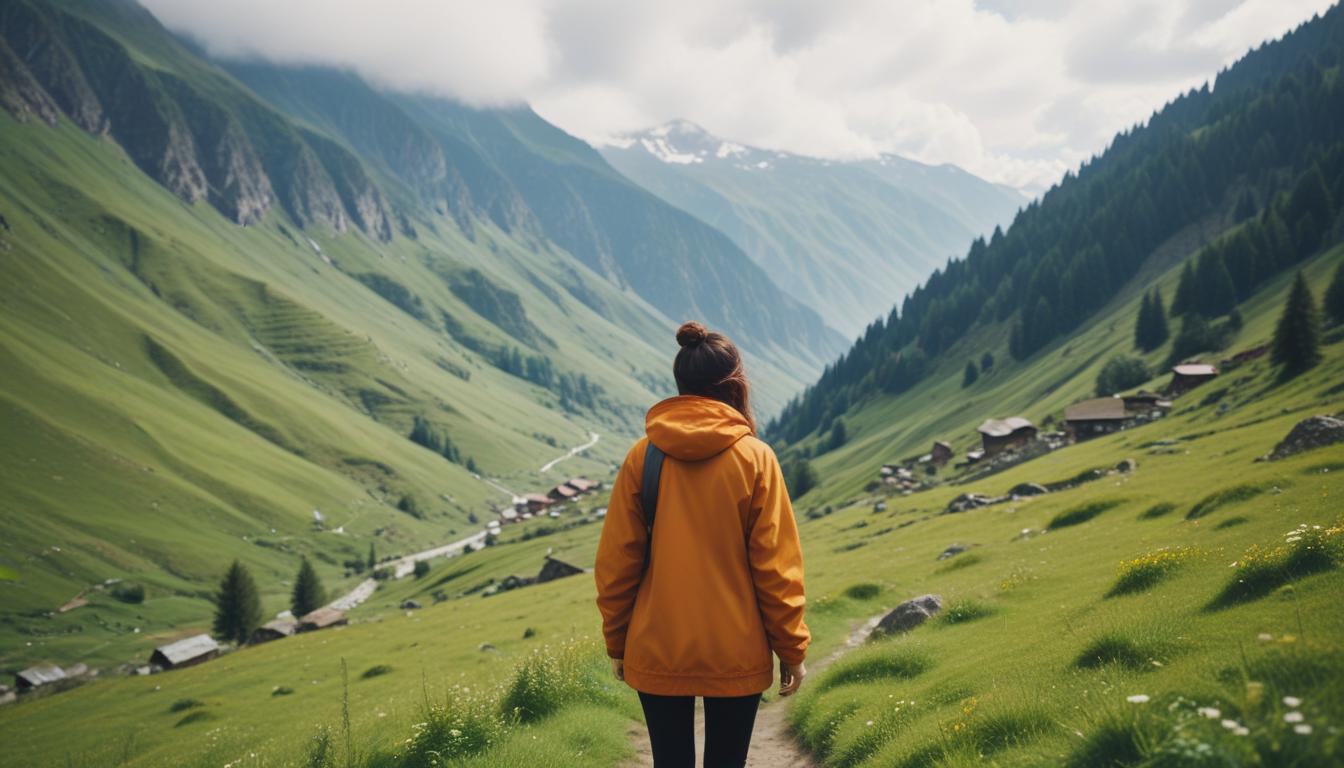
x=260 y=312
x=1256 y=160
x=845 y=238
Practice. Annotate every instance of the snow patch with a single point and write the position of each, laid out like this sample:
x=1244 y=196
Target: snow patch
x=659 y=148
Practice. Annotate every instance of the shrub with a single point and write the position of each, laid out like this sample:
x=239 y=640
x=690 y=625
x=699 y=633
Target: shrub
x=1157 y=510
x=865 y=591
x=182 y=705
x=281 y=690
x=1082 y=514
x=963 y=611
x=1231 y=522
x=1144 y=572
x=377 y=670
x=1305 y=550
x=133 y=594
x=321 y=750
x=1221 y=498
x=421 y=568
x=464 y=724
x=551 y=677
x=529 y=633
x=1120 y=373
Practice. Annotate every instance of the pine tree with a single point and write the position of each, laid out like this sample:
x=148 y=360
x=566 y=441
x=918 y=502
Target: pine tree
x=1143 y=323
x=1309 y=211
x=1184 y=300
x=308 y=593
x=1215 y=295
x=1159 y=332
x=969 y=376
x=373 y=560
x=237 y=605
x=800 y=478
x=986 y=362
x=1297 y=339
x=1334 y=297
x=839 y=435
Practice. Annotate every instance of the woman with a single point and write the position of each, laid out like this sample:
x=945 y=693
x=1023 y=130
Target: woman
x=696 y=607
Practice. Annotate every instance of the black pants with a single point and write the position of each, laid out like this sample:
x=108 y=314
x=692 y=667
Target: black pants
x=728 y=723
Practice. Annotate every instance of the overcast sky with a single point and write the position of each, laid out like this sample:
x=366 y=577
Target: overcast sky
x=1017 y=91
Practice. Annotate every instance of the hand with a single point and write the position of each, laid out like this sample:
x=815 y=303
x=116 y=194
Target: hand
x=618 y=668
x=791 y=677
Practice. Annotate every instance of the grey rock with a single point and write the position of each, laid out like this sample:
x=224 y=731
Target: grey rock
x=952 y=551
x=410 y=605
x=1312 y=432
x=909 y=614
x=968 y=501
x=1126 y=466
x=1028 y=489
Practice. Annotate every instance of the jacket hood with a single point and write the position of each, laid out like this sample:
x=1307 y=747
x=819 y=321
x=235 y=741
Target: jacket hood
x=692 y=428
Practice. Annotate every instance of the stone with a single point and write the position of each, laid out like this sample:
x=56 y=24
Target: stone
x=952 y=551
x=1312 y=432
x=967 y=501
x=1126 y=466
x=1028 y=489
x=410 y=605
x=909 y=614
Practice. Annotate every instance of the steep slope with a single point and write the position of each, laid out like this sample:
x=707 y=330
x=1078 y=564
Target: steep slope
x=1264 y=142
x=845 y=238
x=531 y=178
x=180 y=391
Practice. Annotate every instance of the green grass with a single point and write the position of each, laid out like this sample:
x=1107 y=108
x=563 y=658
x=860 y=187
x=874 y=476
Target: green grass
x=1236 y=494
x=1120 y=649
x=963 y=611
x=1157 y=510
x=1082 y=514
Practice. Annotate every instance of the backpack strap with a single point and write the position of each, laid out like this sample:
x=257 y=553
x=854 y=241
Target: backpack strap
x=648 y=494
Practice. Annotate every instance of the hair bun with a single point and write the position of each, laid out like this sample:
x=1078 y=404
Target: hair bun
x=691 y=333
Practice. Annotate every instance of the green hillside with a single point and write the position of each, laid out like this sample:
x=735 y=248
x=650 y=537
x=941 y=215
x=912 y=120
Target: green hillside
x=845 y=238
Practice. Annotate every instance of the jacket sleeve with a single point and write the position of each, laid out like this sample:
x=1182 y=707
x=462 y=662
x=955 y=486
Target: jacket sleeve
x=620 y=553
x=777 y=565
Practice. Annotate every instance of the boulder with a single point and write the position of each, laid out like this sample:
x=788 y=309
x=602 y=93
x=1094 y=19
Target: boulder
x=410 y=605
x=1022 y=490
x=1126 y=466
x=952 y=551
x=967 y=501
x=909 y=615
x=1312 y=432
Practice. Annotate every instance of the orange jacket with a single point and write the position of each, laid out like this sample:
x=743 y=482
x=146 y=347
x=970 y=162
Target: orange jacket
x=724 y=586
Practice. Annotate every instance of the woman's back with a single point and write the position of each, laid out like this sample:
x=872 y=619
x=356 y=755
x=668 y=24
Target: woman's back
x=724 y=581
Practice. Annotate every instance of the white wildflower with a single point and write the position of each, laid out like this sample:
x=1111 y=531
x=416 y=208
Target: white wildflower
x=1138 y=698
x=869 y=723
x=1213 y=713
x=1292 y=702
x=1264 y=637
x=1293 y=717
x=1231 y=725
x=1303 y=730
x=1242 y=731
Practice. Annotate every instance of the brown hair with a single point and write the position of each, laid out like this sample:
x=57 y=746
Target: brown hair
x=709 y=365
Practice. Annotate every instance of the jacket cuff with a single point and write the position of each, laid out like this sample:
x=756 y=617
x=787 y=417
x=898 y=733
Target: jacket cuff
x=792 y=656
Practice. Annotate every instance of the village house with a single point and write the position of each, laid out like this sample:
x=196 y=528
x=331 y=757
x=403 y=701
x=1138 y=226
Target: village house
x=553 y=569
x=562 y=492
x=583 y=485
x=1098 y=416
x=36 y=677
x=1187 y=376
x=184 y=653
x=1144 y=401
x=997 y=435
x=322 y=618
x=273 y=630
x=534 y=502
x=941 y=454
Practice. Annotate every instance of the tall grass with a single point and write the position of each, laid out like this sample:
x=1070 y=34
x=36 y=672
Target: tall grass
x=1082 y=514
x=1146 y=571
x=1233 y=495
x=1260 y=570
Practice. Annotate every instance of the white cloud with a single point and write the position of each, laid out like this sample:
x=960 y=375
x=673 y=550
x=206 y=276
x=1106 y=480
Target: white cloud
x=1017 y=91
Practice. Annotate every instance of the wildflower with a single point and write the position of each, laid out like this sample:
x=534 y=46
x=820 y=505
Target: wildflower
x=1292 y=702
x=870 y=723
x=1293 y=717
x=1302 y=730
x=1212 y=713
x=1264 y=637
x=1242 y=731
x=1254 y=692
x=1138 y=698
x=1231 y=725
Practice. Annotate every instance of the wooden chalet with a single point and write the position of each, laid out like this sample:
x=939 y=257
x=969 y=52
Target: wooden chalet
x=997 y=435
x=184 y=653
x=1098 y=416
x=1187 y=376
x=322 y=618
x=273 y=630
x=553 y=569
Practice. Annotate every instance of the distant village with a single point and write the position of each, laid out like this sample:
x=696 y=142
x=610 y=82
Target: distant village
x=200 y=648
x=1012 y=440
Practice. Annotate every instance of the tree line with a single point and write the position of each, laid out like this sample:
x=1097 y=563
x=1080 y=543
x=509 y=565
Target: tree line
x=238 y=602
x=1264 y=144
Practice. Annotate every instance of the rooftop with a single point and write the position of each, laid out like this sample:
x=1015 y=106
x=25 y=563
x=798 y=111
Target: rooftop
x=1004 y=427
x=188 y=649
x=1097 y=409
x=1195 y=369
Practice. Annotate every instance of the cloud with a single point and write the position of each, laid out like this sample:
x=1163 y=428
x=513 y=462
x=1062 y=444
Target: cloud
x=1017 y=91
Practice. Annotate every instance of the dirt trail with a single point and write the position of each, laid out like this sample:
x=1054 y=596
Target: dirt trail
x=772 y=744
